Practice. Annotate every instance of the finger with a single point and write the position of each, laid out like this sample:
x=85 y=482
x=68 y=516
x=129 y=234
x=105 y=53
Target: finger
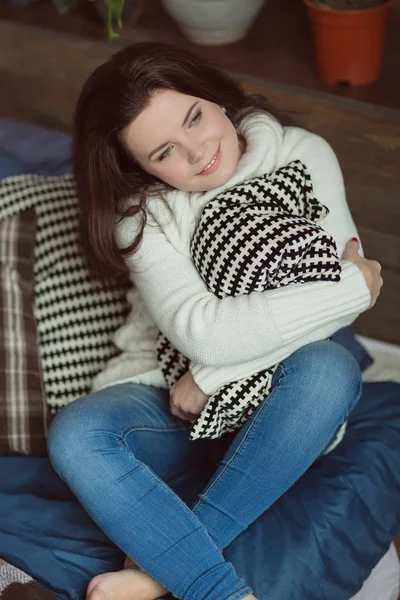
x=351 y=250
x=377 y=265
x=173 y=401
x=187 y=417
x=129 y=564
x=178 y=412
x=174 y=410
x=184 y=416
x=190 y=416
x=352 y=246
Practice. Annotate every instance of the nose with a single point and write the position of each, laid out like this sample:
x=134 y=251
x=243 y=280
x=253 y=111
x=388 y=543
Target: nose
x=195 y=153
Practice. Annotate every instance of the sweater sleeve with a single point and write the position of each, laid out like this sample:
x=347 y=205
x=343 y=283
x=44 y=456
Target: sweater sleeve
x=297 y=332
x=220 y=333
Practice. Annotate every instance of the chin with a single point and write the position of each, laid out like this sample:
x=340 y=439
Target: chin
x=224 y=177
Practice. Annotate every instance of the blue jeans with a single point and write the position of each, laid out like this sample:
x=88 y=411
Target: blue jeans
x=127 y=459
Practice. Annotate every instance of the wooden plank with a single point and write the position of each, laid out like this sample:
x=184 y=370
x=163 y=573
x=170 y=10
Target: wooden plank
x=278 y=45
x=367 y=143
x=45 y=87
x=44 y=102
x=384 y=248
x=382 y=321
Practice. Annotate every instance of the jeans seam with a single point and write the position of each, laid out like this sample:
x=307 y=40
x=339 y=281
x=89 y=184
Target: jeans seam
x=156 y=429
x=236 y=595
x=241 y=446
x=122 y=435
x=175 y=496
x=132 y=428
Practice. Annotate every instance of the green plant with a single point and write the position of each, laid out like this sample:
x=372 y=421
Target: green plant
x=112 y=13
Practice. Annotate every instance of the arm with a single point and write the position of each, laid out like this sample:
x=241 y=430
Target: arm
x=210 y=379
x=323 y=167
x=232 y=331
x=327 y=179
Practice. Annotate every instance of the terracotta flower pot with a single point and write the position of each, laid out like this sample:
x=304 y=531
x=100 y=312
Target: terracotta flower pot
x=348 y=43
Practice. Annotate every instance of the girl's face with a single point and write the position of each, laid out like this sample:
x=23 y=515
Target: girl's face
x=187 y=142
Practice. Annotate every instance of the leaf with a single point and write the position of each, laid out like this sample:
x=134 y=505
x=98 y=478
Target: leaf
x=117 y=6
x=114 y=11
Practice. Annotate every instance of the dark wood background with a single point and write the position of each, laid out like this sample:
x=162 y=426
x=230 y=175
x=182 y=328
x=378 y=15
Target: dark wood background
x=44 y=59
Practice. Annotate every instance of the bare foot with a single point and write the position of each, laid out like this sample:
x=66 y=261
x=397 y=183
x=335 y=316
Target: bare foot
x=129 y=564
x=128 y=584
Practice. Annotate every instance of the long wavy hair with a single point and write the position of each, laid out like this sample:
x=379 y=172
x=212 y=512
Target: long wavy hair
x=105 y=175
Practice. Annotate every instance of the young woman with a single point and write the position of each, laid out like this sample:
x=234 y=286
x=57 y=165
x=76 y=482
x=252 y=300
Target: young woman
x=158 y=133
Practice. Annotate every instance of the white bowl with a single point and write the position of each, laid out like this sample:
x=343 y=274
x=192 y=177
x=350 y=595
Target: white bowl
x=213 y=22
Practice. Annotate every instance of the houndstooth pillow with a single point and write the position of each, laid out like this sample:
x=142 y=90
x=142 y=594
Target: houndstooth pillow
x=75 y=313
x=259 y=235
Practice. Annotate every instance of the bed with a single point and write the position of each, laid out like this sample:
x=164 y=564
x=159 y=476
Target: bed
x=331 y=541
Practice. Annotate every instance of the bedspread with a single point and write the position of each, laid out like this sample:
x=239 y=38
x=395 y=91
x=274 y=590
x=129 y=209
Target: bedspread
x=319 y=541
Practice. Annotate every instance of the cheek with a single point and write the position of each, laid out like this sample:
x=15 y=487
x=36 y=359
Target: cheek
x=221 y=128
x=218 y=125
x=171 y=172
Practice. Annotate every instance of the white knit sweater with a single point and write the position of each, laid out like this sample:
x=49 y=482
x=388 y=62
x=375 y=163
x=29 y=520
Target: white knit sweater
x=227 y=339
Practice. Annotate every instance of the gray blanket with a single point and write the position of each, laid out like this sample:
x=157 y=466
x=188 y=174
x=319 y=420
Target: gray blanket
x=17 y=585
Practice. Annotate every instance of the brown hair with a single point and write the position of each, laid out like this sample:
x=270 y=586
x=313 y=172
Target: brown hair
x=112 y=97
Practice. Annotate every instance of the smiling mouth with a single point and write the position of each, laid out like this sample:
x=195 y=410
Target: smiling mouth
x=213 y=164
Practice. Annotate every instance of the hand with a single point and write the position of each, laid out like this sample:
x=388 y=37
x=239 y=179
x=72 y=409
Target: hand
x=371 y=269
x=186 y=400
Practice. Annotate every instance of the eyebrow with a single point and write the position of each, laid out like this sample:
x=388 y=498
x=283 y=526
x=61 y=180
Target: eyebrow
x=185 y=120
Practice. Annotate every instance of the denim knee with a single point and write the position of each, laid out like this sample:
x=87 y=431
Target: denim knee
x=332 y=373
x=67 y=433
x=69 y=436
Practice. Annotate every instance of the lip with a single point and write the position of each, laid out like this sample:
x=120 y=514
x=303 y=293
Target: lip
x=215 y=166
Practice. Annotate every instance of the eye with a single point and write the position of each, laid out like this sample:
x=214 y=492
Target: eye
x=196 y=119
x=165 y=154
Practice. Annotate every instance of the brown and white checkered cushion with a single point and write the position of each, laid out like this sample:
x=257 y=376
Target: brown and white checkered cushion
x=23 y=410
x=76 y=314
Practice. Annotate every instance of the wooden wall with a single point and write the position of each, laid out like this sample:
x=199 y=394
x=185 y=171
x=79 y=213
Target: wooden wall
x=367 y=142
x=41 y=73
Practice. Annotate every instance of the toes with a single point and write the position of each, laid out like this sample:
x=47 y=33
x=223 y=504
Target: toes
x=129 y=564
x=92 y=584
x=96 y=595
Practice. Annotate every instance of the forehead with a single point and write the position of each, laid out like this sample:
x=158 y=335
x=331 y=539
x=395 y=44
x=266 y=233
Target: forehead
x=157 y=122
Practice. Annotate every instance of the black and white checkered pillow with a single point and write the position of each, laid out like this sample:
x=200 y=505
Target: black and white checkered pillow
x=259 y=235
x=76 y=315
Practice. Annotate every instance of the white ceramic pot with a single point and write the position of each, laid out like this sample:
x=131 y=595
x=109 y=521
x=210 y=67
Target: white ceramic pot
x=214 y=22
